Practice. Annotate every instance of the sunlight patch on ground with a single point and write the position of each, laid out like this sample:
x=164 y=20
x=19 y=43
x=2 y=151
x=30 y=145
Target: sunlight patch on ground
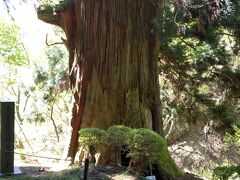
x=124 y=177
x=55 y=167
x=60 y=166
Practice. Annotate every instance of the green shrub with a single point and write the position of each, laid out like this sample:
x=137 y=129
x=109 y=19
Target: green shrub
x=143 y=147
x=224 y=172
x=147 y=148
x=92 y=140
x=117 y=137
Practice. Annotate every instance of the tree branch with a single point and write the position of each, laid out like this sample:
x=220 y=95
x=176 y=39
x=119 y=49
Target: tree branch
x=52 y=44
x=222 y=33
x=188 y=44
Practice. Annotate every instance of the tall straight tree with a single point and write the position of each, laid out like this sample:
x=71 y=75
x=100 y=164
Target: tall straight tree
x=113 y=54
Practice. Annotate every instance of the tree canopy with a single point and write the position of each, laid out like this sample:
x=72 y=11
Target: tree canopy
x=199 y=57
x=11 y=46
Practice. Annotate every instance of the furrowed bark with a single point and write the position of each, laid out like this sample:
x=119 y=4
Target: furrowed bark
x=113 y=64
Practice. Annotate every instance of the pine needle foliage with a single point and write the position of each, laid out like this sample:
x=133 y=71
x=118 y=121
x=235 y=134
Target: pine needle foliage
x=199 y=43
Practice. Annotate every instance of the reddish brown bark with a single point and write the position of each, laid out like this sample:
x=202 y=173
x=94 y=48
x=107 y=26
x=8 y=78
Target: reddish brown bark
x=113 y=63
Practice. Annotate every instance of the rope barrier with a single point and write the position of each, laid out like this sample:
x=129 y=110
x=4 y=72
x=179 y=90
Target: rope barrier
x=31 y=155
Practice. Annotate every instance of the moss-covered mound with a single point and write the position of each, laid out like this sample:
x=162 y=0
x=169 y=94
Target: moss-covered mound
x=148 y=148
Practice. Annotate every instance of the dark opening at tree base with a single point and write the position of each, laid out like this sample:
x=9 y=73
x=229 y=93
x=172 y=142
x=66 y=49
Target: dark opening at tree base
x=125 y=160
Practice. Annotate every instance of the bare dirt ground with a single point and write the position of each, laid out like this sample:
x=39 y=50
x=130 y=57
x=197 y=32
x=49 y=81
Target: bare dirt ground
x=197 y=153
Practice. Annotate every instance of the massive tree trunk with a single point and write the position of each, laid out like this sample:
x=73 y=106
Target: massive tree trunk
x=113 y=55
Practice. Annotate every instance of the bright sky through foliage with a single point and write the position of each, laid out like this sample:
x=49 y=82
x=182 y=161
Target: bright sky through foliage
x=32 y=34
x=33 y=30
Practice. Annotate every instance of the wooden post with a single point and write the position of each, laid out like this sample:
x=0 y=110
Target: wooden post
x=6 y=137
x=86 y=165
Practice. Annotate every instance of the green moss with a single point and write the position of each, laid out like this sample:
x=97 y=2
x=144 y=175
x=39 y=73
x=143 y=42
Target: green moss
x=166 y=164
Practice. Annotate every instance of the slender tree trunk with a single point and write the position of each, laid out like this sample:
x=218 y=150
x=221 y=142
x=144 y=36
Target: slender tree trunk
x=17 y=107
x=113 y=63
x=53 y=121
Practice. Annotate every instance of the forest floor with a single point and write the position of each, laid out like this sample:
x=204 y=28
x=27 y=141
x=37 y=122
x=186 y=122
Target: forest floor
x=193 y=152
x=98 y=172
x=199 y=154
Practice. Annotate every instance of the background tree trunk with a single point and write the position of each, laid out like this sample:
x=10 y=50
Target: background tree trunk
x=113 y=63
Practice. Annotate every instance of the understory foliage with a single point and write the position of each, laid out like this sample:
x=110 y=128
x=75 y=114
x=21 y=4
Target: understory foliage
x=92 y=140
x=145 y=147
x=232 y=140
x=51 y=83
x=226 y=172
x=34 y=83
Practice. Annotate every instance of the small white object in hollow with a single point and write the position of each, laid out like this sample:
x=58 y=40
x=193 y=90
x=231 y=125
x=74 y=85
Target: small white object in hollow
x=151 y=177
